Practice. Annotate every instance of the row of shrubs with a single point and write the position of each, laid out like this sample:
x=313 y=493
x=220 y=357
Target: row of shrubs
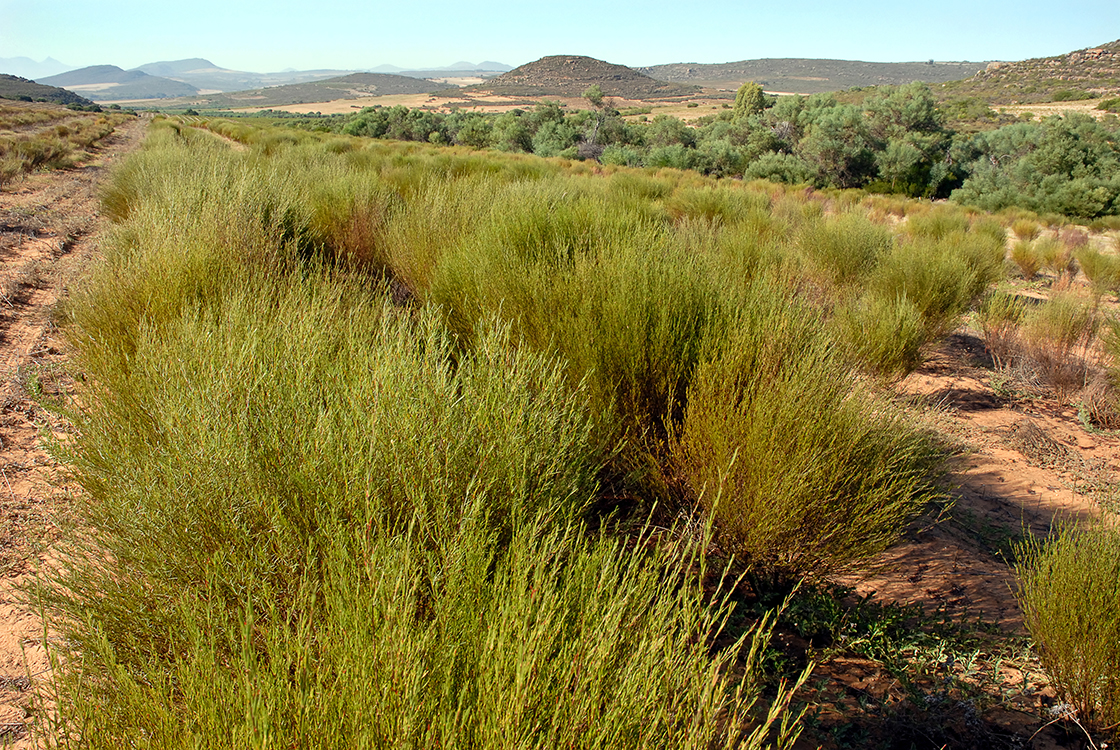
x=51 y=146
x=894 y=140
x=390 y=444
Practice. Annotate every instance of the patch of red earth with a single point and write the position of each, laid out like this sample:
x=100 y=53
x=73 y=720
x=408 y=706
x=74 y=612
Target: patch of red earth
x=48 y=231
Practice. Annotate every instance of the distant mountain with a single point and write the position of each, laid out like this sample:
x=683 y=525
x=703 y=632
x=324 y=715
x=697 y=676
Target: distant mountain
x=25 y=67
x=352 y=86
x=571 y=75
x=1083 y=74
x=386 y=69
x=487 y=69
x=110 y=83
x=809 y=76
x=177 y=67
x=15 y=87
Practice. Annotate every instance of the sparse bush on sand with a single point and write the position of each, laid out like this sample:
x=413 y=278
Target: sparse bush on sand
x=1070 y=595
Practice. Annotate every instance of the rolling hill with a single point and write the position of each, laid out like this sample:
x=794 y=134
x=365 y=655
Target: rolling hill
x=14 y=87
x=208 y=77
x=1083 y=74
x=808 y=76
x=353 y=86
x=570 y=75
x=109 y=83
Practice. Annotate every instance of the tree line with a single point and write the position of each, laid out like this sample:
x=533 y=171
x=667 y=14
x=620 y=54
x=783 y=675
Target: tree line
x=897 y=140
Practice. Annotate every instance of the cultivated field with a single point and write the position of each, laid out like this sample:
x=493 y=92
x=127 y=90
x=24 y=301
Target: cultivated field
x=390 y=444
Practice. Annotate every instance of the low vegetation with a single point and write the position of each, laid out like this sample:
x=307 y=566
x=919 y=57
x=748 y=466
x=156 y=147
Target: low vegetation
x=886 y=140
x=44 y=136
x=1071 y=605
x=561 y=436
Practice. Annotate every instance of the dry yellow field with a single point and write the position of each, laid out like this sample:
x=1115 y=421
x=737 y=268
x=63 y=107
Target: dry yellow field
x=1085 y=107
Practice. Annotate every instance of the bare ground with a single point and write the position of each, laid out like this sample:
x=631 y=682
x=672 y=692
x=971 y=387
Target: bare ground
x=48 y=231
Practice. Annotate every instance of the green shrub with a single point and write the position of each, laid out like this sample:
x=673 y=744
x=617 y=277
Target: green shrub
x=937 y=223
x=940 y=278
x=1055 y=256
x=379 y=547
x=844 y=250
x=1103 y=271
x=1054 y=336
x=803 y=471
x=1024 y=255
x=999 y=317
x=885 y=335
x=1070 y=597
x=1026 y=229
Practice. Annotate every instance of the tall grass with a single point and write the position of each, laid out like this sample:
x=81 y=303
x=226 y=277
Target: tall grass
x=940 y=277
x=1000 y=316
x=1102 y=271
x=56 y=145
x=1054 y=337
x=1024 y=255
x=844 y=250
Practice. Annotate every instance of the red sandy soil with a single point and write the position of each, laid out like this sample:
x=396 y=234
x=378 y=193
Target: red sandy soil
x=48 y=231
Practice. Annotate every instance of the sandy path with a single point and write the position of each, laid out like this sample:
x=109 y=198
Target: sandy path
x=48 y=225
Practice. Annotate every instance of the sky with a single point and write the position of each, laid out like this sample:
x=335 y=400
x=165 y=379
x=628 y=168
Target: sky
x=259 y=36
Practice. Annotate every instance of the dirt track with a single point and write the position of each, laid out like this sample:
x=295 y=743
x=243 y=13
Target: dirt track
x=48 y=232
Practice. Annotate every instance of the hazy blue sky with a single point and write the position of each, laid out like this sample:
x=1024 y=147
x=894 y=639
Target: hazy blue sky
x=350 y=34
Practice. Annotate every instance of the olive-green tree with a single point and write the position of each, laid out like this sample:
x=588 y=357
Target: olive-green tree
x=749 y=100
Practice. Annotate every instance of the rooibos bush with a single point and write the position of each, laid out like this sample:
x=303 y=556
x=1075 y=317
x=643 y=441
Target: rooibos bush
x=1070 y=594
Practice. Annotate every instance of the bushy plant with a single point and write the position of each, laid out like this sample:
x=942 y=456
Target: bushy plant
x=1055 y=256
x=885 y=335
x=379 y=547
x=790 y=494
x=1026 y=229
x=844 y=250
x=999 y=317
x=940 y=278
x=1054 y=337
x=1070 y=596
x=1024 y=255
x=1103 y=271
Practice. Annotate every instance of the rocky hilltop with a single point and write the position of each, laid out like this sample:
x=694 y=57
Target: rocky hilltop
x=571 y=75
x=1083 y=74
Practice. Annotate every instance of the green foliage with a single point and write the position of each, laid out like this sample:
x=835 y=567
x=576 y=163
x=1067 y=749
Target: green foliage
x=1026 y=229
x=999 y=317
x=507 y=366
x=838 y=147
x=1024 y=255
x=1071 y=606
x=749 y=101
x=373 y=548
x=782 y=501
x=844 y=250
x=1053 y=336
x=1103 y=271
x=885 y=335
x=940 y=278
x=1071 y=95
x=1065 y=165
